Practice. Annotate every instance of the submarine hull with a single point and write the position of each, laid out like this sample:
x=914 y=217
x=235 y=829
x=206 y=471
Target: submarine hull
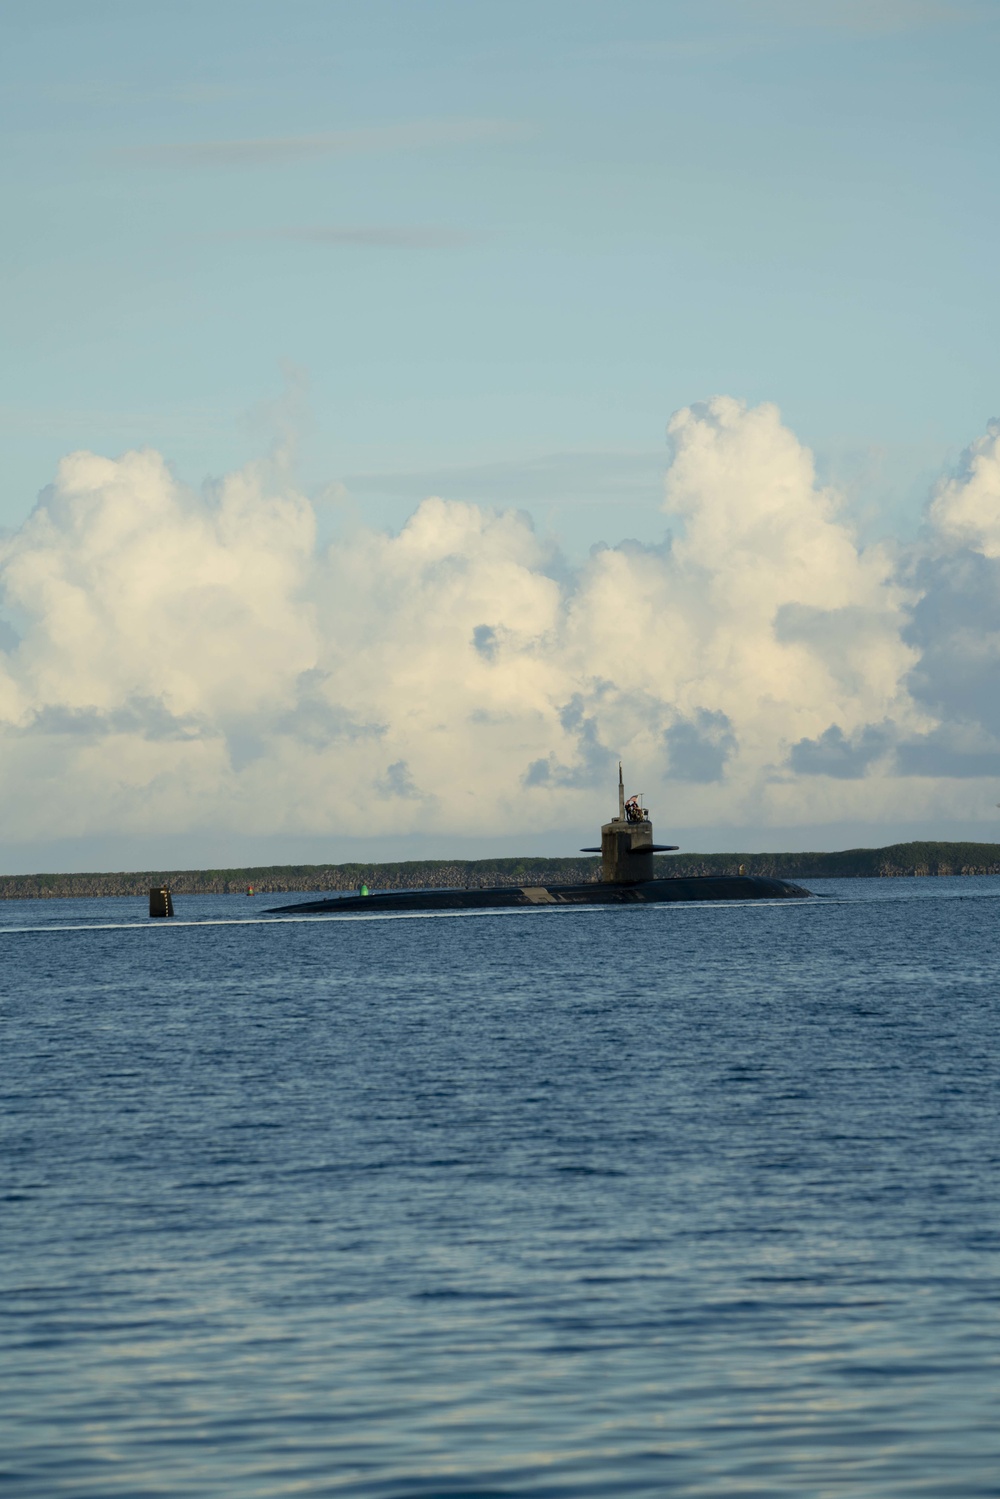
x=647 y=893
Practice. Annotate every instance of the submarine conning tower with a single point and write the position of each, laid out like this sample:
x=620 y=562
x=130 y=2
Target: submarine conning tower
x=627 y=846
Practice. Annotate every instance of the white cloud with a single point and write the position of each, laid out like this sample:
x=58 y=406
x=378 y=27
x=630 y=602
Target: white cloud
x=966 y=509
x=183 y=661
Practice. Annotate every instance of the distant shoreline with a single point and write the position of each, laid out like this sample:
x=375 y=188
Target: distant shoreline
x=898 y=859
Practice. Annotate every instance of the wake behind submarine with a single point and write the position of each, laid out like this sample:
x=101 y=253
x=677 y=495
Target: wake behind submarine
x=627 y=879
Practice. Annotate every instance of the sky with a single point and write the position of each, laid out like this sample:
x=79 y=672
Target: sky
x=410 y=408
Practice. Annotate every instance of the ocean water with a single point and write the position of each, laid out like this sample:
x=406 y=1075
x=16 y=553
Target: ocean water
x=685 y=1201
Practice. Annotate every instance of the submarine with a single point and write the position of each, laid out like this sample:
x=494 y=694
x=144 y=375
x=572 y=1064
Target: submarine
x=628 y=878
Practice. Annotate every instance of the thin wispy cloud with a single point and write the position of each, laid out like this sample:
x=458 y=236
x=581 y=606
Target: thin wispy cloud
x=67 y=423
x=378 y=236
x=872 y=17
x=276 y=150
x=634 y=51
x=575 y=479
x=759 y=25
x=115 y=92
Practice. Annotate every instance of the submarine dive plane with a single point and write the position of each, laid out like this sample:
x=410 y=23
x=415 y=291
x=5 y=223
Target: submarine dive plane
x=628 y=878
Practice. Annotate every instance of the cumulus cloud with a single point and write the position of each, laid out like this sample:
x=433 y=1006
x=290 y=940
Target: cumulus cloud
x=966 y=509
x=834 y=754
x=179 y=660
x=698 y=750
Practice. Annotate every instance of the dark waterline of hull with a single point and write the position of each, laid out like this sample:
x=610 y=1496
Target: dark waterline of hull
x=650 y=892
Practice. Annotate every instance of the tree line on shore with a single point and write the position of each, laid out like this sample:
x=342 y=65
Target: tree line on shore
x=898 y=859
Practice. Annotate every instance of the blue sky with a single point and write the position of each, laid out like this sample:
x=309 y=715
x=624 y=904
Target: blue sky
x=322 y=261
x=479 y=236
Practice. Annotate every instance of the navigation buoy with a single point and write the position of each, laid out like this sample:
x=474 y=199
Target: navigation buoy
x=160 y=903
x=364 y=890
